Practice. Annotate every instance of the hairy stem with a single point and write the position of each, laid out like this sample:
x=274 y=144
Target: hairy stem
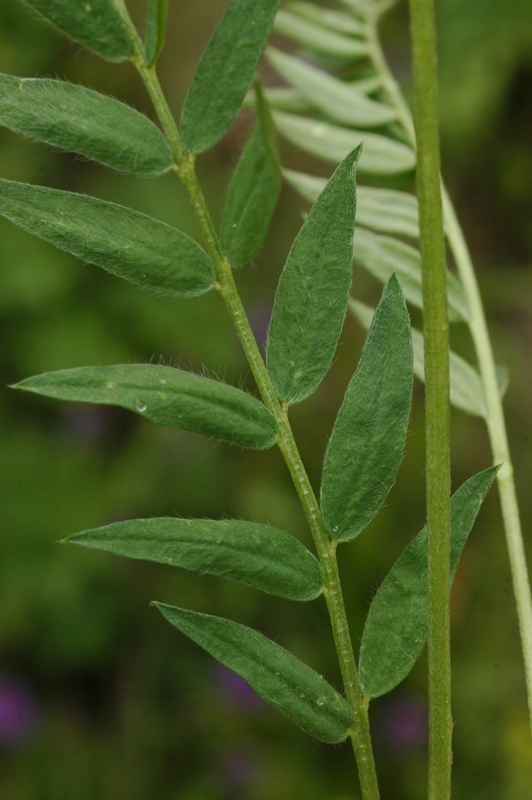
x=326 y=549
x=437 y=402
x=495 y=414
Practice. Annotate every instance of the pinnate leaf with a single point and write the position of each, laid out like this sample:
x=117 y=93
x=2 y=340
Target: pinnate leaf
x=317 y=37
x=335 y=20
x=258 y=555
x=276 y=675
x=381 y=155
x=385 y=210
x=339 y=100
x=155 y=30
x=168 y=396
x=86 y=122
x=383 y=255
x=367 y=442
x=125 y=242
x=225 y=72
x=96 y=24
x=466 y=385
x=253 y=192
x=313 y=291
x=397 y=623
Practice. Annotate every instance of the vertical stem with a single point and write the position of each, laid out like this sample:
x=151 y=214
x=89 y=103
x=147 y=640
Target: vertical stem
x=495 y=414
x=437 y=421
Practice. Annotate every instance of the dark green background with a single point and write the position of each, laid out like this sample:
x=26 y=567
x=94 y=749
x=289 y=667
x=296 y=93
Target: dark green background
x=124 y=706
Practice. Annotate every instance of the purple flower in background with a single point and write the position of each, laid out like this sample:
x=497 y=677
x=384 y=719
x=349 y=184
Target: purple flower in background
x=403 y=722
x=235 y=691
x=19 y=714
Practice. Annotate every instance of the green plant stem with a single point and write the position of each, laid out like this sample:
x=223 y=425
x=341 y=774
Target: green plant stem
x=481 y=339
x=326 y=548
x=437 y=401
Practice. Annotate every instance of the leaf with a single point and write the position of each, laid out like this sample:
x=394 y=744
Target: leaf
x=125 y=242
x=276 y=675
x=155 y=30
x=467 y=393
x=313 y=291
x=86 y=122
x=317 y=37
x=96 y=24
x=397 y=623
x=383 y=255
x=168 y=396
x=383 y=210
x=225 y=72
x=335 y=20
x=333 y=97
x=253 y=192
x=258 y=555
x=281 y=97
x=381 y=155
x=360 y=7
x=366 y=446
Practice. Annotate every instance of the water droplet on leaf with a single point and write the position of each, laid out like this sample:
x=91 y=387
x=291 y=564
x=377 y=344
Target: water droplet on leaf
x=140 y=406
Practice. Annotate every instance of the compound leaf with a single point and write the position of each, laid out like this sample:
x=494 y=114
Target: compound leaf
x=125 y=242
x=381 y=155
x=397 y=623
x=253 y=192
x=168 y=396
x=313 y=291
x=385 y=210
x=225 y=72
x=96 y=24
x=367 y=442
x=339 y=100
x=276 y=675
x=466 y=385
x=335 y=20
x=317 y=37
x=258 y=555
x=86 y=122
x=383 y=255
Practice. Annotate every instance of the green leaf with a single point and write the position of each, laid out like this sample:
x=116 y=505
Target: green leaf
x=360 y=7
x=96 y=24
x=383 y=255
x=168 y=396
x=467 y=393
x=317 y=37
x=335 y=20
x=366 y=446
x=258 y=555
x=225 y=72
x=276 y=675
x=155 y=30
x=253 y=192
x=313 y=291
x=381 y=156
x=397 y=623
x=333 y=97
x=125 y=242
x=281 y=97
x=86 y=122
x=383 y=210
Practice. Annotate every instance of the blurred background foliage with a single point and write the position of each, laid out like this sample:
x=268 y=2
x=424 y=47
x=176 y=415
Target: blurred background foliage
x=99 y=697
